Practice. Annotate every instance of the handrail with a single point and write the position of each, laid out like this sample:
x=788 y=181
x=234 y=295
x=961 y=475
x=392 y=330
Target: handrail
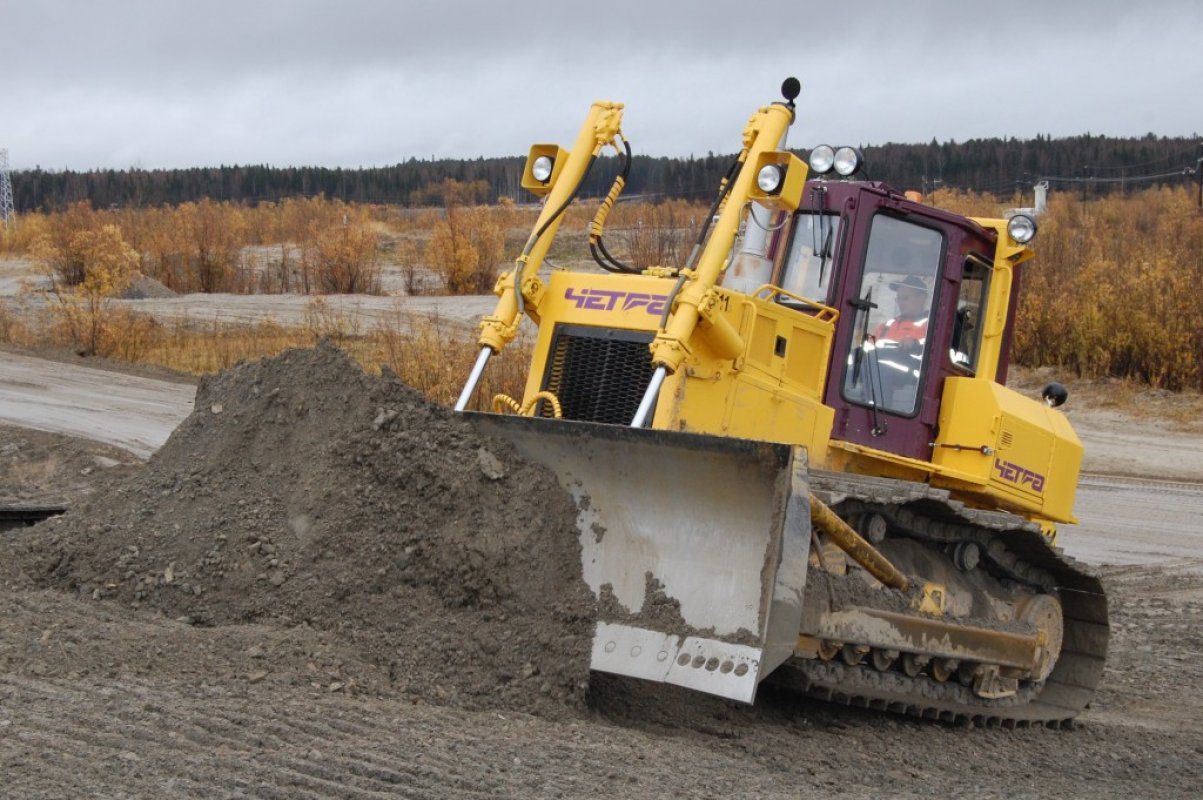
x=826 y=313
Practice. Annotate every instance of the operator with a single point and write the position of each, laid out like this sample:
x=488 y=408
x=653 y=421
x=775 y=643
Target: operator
x=909 y=328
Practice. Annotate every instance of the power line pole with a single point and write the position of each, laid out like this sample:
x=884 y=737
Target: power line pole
x=7 y=215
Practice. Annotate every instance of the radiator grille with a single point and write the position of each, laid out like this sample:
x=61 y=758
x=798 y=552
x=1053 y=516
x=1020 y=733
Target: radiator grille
x=598 y=374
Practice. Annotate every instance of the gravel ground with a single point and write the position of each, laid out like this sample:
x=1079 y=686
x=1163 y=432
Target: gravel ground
x=99 y=700
x=370 y=671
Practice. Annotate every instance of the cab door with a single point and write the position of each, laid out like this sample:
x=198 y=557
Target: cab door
x=884 y=383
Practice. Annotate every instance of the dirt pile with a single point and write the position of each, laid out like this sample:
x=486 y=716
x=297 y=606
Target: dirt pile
x=302 y=492
x=145 y=287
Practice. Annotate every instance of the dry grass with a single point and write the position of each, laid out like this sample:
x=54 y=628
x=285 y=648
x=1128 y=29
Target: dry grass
x=1177 y=411
x=1116 y=290
x=429 y=354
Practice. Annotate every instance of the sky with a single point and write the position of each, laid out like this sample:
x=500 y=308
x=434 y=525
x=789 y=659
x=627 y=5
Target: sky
x=351 y=83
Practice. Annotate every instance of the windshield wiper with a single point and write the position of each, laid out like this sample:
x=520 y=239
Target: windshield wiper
x=876 y=391
x=825 y=252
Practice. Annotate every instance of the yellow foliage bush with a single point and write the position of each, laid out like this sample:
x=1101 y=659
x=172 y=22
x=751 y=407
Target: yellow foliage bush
x=341 y=259
x=323 y=245
x=435 y=359
x=1115 y=289
x=59 y=247
x=106 y=265
x=466 y=248
x=17 y=238
x=660 y=234
x=967 y=203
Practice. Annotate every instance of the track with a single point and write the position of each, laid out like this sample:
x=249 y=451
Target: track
x=1055 y=702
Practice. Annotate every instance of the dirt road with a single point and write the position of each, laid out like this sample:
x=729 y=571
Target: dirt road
x=131 y=412
x=362 y=310
x=101 y=699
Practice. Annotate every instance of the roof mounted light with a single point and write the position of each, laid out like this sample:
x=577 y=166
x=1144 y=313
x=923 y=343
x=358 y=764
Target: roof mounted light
x=1021 y=228
x=847 y=161
x=822 y=158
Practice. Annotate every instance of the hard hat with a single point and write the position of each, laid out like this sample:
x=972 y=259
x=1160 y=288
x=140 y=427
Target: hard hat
x=911 y=281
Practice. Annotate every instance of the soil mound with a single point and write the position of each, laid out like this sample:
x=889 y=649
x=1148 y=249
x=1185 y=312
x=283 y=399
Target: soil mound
x=144 y=287
x=304 y=492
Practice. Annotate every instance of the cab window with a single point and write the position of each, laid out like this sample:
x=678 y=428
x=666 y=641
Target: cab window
x=966 y=324
x=887 y=359
x=809 y=263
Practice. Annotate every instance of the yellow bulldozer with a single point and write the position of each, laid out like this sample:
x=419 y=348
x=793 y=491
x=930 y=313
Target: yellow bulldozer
x=794 y=455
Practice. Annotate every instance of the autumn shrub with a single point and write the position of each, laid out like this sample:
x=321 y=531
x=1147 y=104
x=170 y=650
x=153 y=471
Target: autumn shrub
x=341 y=259
x=128 y=334
x=1115 y=289
x=311 y=245
x=106 y=264
x=17 y=237
x=325 y=322
x=408 y=254
x=451 y=192
x=659 y=234
x=466 y=248
x=60 y=247
x=11 y=327
x=432 y=355
x=216 y=233
x=435 y=358
x=968 y=203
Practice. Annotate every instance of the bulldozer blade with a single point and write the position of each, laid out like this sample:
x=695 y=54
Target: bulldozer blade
x=694 y=546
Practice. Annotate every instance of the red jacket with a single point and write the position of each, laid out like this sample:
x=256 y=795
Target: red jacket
x=898 y=330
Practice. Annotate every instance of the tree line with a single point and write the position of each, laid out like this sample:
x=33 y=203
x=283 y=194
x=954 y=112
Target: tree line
x=1095 y=165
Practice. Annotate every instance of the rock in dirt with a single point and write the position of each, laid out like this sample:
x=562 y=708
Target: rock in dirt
x=427 y=549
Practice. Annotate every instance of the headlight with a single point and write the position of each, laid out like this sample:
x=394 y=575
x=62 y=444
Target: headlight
x=541 y=169
x=1022 y=228
x=847 y=161
x=821 y=159
x=770 y=178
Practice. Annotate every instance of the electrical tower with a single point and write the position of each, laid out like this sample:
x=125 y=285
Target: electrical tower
x=7 y=215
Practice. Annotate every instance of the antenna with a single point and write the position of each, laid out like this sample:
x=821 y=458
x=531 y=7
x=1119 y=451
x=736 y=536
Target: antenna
x=7 y=215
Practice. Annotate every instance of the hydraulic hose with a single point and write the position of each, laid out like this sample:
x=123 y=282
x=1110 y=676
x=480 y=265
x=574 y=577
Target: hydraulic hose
x=724 y=189
x=597 y=248
x=534 y=239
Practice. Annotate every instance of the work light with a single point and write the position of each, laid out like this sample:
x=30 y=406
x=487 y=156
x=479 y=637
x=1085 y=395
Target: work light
x=1022 y=228
x=770 y=178
x=541 y=169
x=821 y=159
x=847 y=161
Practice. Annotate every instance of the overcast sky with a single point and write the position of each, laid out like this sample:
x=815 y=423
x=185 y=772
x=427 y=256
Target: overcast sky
x=163 y=83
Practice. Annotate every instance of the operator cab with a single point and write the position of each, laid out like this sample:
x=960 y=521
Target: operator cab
x=909 y=282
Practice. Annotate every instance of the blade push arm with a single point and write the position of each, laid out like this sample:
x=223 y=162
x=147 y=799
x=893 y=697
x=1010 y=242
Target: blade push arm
x=696 y=298
x=602 y=127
